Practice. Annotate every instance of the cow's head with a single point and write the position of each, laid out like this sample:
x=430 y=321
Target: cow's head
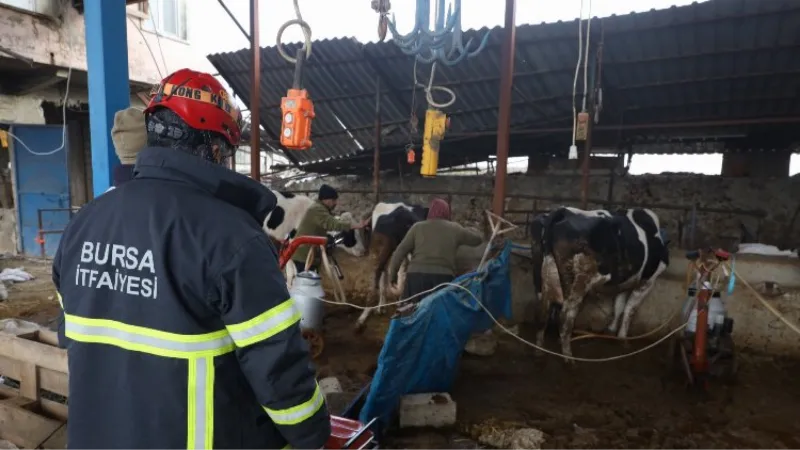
x=354 y=241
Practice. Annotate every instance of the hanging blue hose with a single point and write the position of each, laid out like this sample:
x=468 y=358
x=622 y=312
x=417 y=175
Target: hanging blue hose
x=429 y=46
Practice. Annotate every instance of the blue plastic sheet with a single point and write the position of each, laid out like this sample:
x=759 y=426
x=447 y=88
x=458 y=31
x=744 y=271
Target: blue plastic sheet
x=421 y=351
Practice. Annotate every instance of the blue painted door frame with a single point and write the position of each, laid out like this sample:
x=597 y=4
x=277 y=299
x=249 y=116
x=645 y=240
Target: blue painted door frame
x=41 y=183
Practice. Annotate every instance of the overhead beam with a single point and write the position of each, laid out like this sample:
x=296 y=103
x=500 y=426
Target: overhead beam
x=37 y=84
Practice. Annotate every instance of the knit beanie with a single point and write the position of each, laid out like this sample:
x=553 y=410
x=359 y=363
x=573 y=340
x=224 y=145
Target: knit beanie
x=327 y=193
x=439 y=209
x=129 y=134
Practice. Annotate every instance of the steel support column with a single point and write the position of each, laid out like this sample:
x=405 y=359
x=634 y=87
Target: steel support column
x=109 y=88
x=504 y=113
x=376 y=153
x=255 y=95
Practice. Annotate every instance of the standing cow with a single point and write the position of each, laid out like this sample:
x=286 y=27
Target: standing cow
x=282 y=222
x=390 y=223
x=576 y=252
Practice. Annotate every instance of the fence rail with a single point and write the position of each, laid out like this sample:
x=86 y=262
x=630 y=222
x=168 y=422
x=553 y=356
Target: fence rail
x=40 y=236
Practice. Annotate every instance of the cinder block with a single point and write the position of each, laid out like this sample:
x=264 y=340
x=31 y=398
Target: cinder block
x=427 y=410
x=330 y=385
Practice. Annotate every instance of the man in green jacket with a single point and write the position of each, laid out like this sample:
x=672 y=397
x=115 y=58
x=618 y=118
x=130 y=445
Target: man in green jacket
x=318 y=221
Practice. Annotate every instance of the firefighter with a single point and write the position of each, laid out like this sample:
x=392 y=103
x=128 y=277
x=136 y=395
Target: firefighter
x=178 y=326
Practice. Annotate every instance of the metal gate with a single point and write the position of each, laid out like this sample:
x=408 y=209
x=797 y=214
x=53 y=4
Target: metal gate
x=41 y=182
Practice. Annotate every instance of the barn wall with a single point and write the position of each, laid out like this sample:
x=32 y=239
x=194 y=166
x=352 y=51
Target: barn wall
x=755 y=328
x=777 y=197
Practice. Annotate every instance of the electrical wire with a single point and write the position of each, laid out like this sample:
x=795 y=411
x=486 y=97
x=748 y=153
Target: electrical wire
x=158 y=36
x=147 y=44
x=586 y=56
x=63 y=116
x=306 y=34
x=575 y=79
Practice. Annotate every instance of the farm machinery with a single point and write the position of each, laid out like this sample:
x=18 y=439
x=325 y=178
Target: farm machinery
x=704 y=352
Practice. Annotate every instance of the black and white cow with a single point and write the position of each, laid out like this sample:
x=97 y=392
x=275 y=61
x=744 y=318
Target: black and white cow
x=576 y=252
x=390 y=223
x=283 y=221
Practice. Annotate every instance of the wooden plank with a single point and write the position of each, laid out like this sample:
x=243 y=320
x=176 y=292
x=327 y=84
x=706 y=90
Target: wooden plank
x=56 y=382
x=29 y=381
x=24 y=428
x=19 y=401
x=58 y=440
x=54 y=409
x=10 y=368
x=42 y=355
x=48 y=337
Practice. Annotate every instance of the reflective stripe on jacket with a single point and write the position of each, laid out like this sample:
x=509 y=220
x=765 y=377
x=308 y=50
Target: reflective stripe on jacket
x=178 y=325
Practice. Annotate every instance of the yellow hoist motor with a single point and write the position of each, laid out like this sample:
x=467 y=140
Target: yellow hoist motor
x=436 y=123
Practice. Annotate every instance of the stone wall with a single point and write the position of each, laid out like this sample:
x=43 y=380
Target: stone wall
x=723 y=204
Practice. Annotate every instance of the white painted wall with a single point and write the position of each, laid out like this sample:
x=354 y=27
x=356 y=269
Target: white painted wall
x=47 y=41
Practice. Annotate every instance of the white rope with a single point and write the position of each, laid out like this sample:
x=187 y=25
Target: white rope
x=502 y=327
x=306 y=34
x=764 y=302
x=429 y=88
x=586 y=56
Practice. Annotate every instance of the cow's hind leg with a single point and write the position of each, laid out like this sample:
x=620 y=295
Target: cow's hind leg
x=619 y=307
x=383 y=286
x=635 y=300
x=586 y=279
x=376 y=291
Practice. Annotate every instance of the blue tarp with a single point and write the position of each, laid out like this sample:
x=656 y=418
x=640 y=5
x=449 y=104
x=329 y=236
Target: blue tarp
x=421 y=351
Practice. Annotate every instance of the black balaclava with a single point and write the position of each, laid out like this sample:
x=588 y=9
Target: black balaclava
x=166 y=129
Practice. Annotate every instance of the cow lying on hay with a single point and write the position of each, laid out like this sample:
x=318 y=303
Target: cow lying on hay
x=578 y=252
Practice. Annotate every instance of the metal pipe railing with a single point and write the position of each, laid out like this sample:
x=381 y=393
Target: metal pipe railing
x=40 y=235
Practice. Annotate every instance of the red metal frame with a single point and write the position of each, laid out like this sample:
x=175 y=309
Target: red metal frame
x=288 y=250
x=347 y=433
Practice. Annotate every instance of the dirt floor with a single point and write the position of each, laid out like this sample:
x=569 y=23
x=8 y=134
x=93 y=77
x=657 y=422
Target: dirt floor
x=624 y=404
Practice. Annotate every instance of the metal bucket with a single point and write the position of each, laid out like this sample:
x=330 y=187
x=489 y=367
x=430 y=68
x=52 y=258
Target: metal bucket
x=307 y=291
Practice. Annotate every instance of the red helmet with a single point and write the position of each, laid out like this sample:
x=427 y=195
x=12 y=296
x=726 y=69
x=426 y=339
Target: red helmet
x=201 y=101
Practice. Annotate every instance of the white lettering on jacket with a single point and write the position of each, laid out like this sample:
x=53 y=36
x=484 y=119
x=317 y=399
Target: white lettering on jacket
x=118 y=268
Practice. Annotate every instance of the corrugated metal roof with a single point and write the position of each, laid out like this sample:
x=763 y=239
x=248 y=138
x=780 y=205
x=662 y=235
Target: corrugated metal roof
x=717 y=60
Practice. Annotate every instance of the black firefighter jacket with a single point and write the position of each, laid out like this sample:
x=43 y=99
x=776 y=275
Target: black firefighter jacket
x=179 y=329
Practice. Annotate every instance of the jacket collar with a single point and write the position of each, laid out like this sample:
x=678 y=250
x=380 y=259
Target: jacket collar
x=219 y=181
x=122 y=174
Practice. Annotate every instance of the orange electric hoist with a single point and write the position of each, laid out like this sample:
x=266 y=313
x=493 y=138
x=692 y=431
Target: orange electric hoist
x=297 y=111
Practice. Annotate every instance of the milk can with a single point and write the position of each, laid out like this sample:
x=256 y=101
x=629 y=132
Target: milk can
x=307 y=294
